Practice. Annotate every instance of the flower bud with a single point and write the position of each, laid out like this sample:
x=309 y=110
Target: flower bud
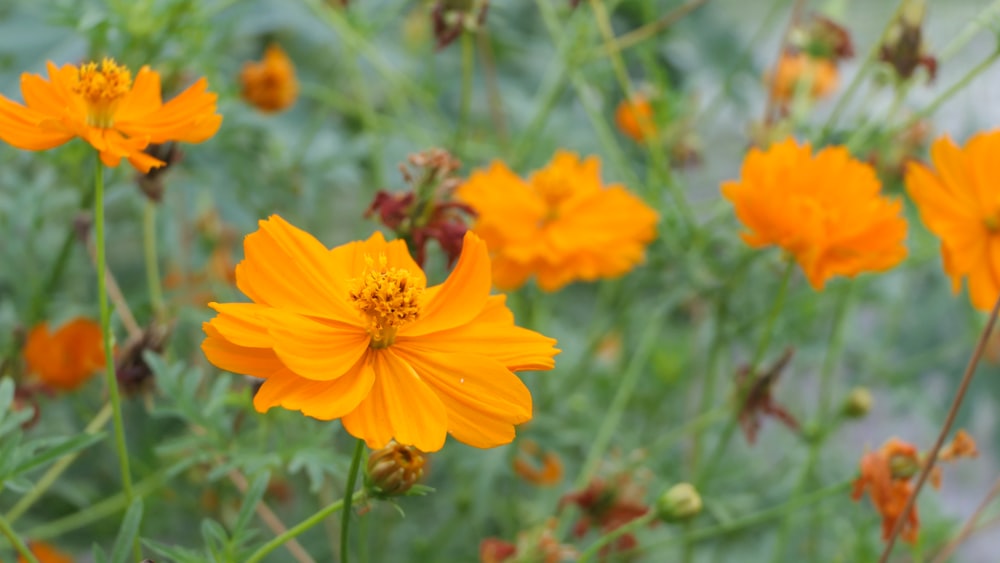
x=858 y=403
x=902 y=466
x=680 y=502
x=394 y=469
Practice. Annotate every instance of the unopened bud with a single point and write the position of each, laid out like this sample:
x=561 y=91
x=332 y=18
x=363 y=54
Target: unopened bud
x=680 y=502
x=903 y=466
x=394 y=469
x=858 y=403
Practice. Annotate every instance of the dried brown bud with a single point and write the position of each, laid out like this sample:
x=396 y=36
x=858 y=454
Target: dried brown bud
x=451 y=18
x=134 y=374
x=393 y=470
x=151 y=183
x=904 y=49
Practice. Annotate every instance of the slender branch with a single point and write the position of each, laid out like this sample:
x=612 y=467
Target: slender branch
x=345 y=519
x=632 y=526
x=493 y=98
x=796 y=15
x=636 y=36
x=970 y=371
x=301 y=527
x=19 y=545
x=114 y=293
x=153 y=279
x=465 y=99
x=970 y=525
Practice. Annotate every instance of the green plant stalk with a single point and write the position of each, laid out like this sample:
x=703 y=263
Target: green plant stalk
x=16 y=541
x=109 y=363
x=153 y=279
x=951 y=91
x=465 y=100
x=711 y=375
x=730 y=428
x=57 y=469
x=301 y=527
x=646 y=519
x=971 y=29
x=345 y=518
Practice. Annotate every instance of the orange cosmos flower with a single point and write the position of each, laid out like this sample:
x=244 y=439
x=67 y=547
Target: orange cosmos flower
x=45 y=553
x=635 y=118
x=66 y=358
x=354 y=333
x=824 y=210
x=959 y=203
x=101 y=105
x=270 y=85
x=538 y=467
x=795 y=70
x=560 y=225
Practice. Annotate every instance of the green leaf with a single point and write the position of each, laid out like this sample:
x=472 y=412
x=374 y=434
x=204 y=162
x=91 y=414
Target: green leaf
x=128 y=533
x=66 y=447
x=250 y=500
x=6 y=395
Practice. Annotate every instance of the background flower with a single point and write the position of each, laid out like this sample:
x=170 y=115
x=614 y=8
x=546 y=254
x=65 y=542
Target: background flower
x=66 y=358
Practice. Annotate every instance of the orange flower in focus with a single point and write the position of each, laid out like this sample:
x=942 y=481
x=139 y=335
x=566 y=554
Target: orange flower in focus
x=101 y=105
x=270 y=85
x=799 y=70
x=958 y=201
x=354 y=333
x=635 y=118
x=45 y=553
x=66 y=358
x=825 y=210
x=536 y=467
x=560 y=225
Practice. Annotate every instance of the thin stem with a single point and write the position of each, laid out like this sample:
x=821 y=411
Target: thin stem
x=970 y=525
x=300 y=528
x=271 y=520
x=969 y=31
x=57 y=469
x=493 y=98
x=640 y=522
x=970 y=371
x=153 y=279
x=465 y=100
x=636 y=36
x=345 y=519
x=15 y=541
x=951 y=91
x=109 y=363
x=793 y=19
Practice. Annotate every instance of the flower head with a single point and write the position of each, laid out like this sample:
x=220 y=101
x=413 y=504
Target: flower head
x=826 y=210
x=634 y=118
x=65 y=359
x=959 y=203
x=560 y=225
x=102 y=105
x=537 y=467
x=270 y=85
x=354 y=333
x=818 y=77
x=759 y=400
x=607 y=503
x=45 y=553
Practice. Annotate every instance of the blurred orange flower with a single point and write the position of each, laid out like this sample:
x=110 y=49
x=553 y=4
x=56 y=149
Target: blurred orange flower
x=45 y=553
x=885 y=475
x=634 y=117
x=354 y=333
x=537 y=467
x=66 y=358
x=270 y=85
x=958 y=201
x=560 y=225
x=799 y=70
x=825 y=210
x=101 y=105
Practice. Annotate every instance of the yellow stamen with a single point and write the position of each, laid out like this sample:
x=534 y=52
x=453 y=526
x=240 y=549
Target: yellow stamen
x=102 y=90
x=389 y=297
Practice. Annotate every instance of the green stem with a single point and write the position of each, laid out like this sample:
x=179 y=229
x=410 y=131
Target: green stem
x=153 y=279
x=109 y=363
x=951 y=91
x=345 y=519
x=730 y=428
x=465 y=101
x=982 y=20
x=646 y=519
x=301 y=527
x=19 y=545
x=57 y=469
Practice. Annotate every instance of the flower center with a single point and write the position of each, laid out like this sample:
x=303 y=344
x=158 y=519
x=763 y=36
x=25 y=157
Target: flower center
x=102 y=89
x=388 y=297
x=992 y=223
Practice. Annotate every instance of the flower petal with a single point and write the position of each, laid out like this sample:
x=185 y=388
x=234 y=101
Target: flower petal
x=514 y=347
x=350 y=259
x=414 y=410
x=244 y=360
x=323 y=400
x=462 y=296
x=316 y=350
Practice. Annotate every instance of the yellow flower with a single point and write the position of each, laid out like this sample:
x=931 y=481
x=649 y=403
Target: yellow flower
x=354 y=333
x=67 y=358
x=270 y=85
x=959 y=202
x=825 y=210
x=561 y=225
x=101 y=105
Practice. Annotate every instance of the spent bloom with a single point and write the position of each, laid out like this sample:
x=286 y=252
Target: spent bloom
x=634 y=118
x=270 y=85
x=102 y=105
x=537 y=545
x=560 y=225
x=825 y=210
x=958 y=201
x=542 y=468
x=354 y=333
x=66 y=358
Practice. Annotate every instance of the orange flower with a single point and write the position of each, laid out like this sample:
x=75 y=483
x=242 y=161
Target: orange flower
x=962 y=445
x=101 y=105
x=353 y=333
x=799 y=70
x=560 y=225
x=548 y=470
x=959 y=203
x=45 y=553
x=825 y=210
x=66 y=358
x=887 y=490
x=270 y=85
x=635 y=118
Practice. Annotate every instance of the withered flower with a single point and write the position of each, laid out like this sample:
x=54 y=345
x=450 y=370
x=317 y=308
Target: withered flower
x=151 y=183
x=904 y=48
x=608 y=504
x=822 y=38
x=134 y=374
x=451 y=18
x=758 y=401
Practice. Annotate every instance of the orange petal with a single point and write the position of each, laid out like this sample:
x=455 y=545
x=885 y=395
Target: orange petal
x=414 y=410
x=323 y=400
x=462 y=296
x=225 y=355
x=316 y=350
x=350 y=258
x=514 y=347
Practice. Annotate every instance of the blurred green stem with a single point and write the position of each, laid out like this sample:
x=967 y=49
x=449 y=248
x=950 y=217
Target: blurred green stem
x=153 y=279
x=301 y=527
x=345 y=519
x=16 y=541
x=57 y=469
x=465 y=101
x=646 y=519
x=109 y=362
x=975 y=25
